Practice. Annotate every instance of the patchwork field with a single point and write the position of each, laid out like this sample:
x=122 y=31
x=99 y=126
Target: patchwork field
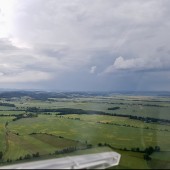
x=35 y=129
x=118 y=136
x=138 y=106
x=19 y=146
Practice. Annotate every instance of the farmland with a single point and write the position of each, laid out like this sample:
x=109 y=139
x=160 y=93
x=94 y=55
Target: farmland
x=33 y=128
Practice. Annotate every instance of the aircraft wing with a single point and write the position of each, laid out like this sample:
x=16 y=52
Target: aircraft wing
x=90 y=161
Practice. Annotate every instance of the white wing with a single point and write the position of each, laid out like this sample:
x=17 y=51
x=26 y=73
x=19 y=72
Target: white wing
x=90 y=161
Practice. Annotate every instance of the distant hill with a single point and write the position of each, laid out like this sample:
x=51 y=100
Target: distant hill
x=43 y=95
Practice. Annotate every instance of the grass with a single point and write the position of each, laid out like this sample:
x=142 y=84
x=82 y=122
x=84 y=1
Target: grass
x=6 y=108
x=12 y=112
x=131 y=160
x=159 y=164
x=87 y=130
x=92 y=132
x=118 y=120
x=3 y=120
x=2 y=138
x=165 y=156
x=59 y=143
x=127 y=105
x=31 y=144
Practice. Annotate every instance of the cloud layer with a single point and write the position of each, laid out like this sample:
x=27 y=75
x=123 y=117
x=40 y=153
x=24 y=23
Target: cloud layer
x=43 y=41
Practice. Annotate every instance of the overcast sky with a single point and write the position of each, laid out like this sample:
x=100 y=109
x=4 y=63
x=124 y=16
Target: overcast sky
x=85 y=44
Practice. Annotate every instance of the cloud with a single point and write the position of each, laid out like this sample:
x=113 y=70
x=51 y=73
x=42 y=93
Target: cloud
x=21 y=65
x=22 y=77
x=93 y=69
x=58 y=37
x=137 y=64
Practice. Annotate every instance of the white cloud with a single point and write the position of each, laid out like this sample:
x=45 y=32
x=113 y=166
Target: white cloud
x=18 y=44
x=93 y=69
x=137 y=64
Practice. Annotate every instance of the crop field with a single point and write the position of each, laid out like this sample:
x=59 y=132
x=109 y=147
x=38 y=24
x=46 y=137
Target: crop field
x=137 y=107
x=3 y=121
x=53 y=127
x=2 y=137
x=3 y=108
x=19 y=146
x=117 y=136
x=11 y=112
x=118 y=121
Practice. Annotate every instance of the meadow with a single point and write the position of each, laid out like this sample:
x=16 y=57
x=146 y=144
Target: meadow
x=137 y=106
x=26 y=135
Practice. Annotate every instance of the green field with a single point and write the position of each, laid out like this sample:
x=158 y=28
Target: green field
x=117 y=136
x=118 y=120
x=160 y=160
x=127 y=106
x=12 y=112
x=49 y=133
x=29 y=144
x=3 y=121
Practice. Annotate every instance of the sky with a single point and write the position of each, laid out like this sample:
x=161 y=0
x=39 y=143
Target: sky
x=85 y=45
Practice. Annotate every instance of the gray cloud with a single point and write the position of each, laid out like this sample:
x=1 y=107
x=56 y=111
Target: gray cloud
x=6 y=46
x=55 y=38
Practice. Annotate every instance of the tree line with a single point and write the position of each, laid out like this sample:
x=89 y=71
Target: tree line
x=67 y=111
x=27 y=115
x=147 y=151
x=114 y=108
x=7 y=104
